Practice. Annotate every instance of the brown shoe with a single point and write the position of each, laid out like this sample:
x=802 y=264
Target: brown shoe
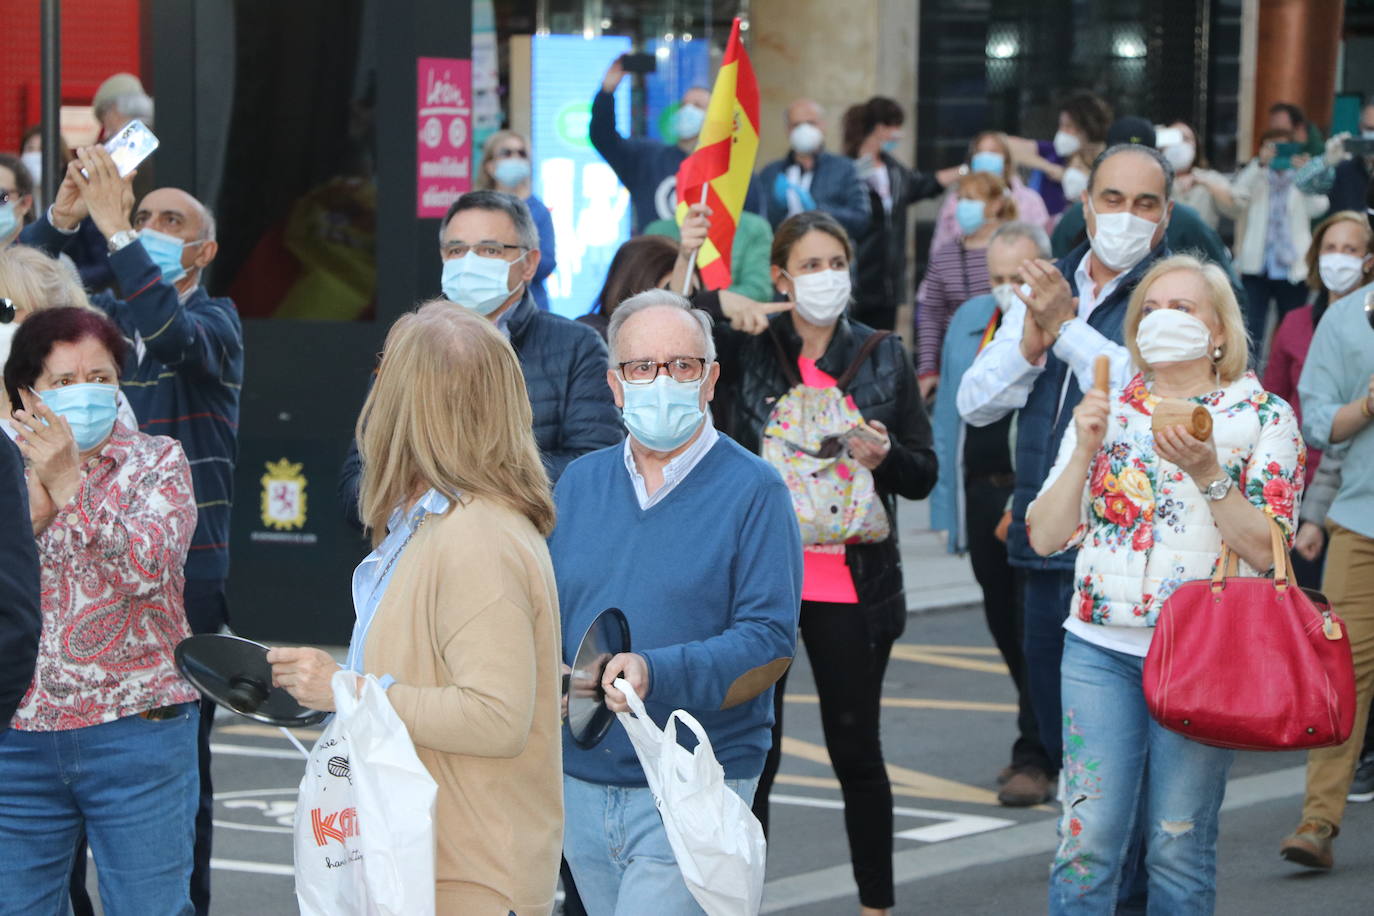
x=1310 y=845
x=1027 y=786
x=1007 y=772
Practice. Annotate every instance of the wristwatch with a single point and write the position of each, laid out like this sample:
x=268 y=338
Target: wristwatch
x=122 y=239
x=1218 y=488
x=1059 y=328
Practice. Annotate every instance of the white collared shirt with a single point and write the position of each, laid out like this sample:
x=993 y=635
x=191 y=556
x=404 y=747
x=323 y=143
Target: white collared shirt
x=1000 y=379
x=677 y=469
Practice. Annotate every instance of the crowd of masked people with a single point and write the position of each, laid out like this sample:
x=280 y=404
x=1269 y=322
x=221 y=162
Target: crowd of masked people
x=725 y=466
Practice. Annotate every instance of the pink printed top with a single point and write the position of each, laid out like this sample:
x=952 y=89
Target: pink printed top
x=825 y=574
x=113 y=573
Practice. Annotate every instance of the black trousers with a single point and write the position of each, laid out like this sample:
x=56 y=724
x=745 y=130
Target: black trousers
x=848 y=667
x=1002 y=585
x=207 y=610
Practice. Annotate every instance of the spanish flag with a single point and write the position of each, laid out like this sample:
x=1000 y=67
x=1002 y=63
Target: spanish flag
x=723 y=161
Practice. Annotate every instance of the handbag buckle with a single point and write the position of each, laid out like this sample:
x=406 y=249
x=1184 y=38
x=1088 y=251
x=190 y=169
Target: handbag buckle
x=1330 y=628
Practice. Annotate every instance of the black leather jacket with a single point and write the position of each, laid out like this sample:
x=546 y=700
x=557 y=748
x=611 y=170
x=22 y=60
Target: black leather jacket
x=884 y=390
x=881 y=253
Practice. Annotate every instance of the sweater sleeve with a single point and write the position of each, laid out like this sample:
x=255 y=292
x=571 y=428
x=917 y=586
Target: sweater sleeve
x=932 y=319
x=20 y=617
x=744 y=661
x=1323 y=388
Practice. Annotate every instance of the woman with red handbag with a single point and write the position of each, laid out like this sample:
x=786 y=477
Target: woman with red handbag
x=1150 y=510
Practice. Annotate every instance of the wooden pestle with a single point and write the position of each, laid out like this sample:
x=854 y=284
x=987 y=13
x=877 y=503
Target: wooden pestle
x=1177 y=412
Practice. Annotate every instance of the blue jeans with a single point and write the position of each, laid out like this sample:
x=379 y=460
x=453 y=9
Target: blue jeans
x=1121 y=766
x=618 y=850
x=132 y=783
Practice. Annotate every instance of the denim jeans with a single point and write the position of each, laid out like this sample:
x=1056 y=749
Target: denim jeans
x=1120 y=766
x=132 y=783
x=618 y=850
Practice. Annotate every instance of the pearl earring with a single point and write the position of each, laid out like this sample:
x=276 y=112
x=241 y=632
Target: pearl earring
x=1216 y=354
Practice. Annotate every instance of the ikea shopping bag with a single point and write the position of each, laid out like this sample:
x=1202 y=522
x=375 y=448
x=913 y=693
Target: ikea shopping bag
x=364 y=829
x=717 y=841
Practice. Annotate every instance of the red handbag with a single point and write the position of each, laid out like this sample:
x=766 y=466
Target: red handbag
x=1252 y=663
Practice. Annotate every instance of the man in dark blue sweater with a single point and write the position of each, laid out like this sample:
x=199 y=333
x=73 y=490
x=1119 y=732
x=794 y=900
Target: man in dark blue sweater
x=185 y=380
x=695 y=540
x=20 y=618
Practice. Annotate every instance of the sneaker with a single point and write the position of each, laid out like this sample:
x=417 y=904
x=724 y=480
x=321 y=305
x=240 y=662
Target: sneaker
x=1362 y=787
x=1310 y=845
x=1026 y=786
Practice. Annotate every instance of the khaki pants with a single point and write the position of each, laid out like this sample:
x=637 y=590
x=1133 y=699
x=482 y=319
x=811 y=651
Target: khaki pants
x=1349 y=584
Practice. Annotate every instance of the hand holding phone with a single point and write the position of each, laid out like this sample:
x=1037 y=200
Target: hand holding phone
x=108 y=197
x=128 y=148
x=639 y=63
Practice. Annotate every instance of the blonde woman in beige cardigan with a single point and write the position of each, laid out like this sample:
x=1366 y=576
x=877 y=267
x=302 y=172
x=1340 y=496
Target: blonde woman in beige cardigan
x=456 y=607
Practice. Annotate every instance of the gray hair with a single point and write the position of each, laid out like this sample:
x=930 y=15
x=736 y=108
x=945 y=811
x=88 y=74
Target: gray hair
x=1149 y=151
x=132 y=105
x=497 y=202
x=1016 y=230
x=657 y=298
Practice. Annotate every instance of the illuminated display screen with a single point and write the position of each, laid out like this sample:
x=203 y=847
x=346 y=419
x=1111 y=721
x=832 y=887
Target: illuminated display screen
x=590 y=208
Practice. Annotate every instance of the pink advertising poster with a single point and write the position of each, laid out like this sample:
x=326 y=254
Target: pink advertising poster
x=444 y=142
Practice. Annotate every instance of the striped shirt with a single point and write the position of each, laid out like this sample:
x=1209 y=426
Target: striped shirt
x=954 y=275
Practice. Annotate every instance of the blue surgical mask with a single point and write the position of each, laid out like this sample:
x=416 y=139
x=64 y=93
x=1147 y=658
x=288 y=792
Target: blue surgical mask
x=165 y=251
x=891 y=146
x=511 y=172
x=478 y=283
x=664 y=413
x=9 y=221
x=969 y=215
x=89 y=409
x=687 y=121
x=987 y=162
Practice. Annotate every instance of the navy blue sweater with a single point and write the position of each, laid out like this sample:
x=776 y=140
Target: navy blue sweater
x=20 y=617
x=710 y=581
x=186 y=387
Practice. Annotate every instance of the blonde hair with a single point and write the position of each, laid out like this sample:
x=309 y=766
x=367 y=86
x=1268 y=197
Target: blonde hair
x=449 y=411
x=483 y=181
x=1235 y=352
x=34 y=281
x=1314 y=251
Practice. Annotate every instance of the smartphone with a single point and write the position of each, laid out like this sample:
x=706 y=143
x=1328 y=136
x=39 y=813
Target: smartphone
x=1358 y=146
x=1288 y=149
x=128 y=148
x=1168 y=136
x=638 y=63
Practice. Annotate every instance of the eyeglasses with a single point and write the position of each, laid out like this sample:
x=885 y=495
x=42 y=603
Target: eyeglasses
x=6 y=196
x=679 y=369
x=486 y=249
x=510 y=153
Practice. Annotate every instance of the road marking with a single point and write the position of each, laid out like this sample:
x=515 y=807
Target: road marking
x=947 y=660
x=993 y=848
x=264 y=731
x=256 y=828
x=951 y=826
x=241 y=750
x=954 y=650
x=256 y=868
x=924 y=785
x=919 y=703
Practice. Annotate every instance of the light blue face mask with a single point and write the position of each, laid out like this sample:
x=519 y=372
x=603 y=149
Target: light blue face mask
x=9 y=221
x=511 y=172
x=969 y=215
x=987 y=162
x=664 y=413
x=165 y=251
x=891 y=146
x=89 y=409
x=687 y=121
x=478 y=283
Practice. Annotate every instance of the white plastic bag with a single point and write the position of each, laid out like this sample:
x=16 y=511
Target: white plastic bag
x=364 y=830
x=717 y=841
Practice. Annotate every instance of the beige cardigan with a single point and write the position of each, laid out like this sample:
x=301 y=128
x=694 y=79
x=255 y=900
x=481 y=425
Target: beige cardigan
x=469 y=629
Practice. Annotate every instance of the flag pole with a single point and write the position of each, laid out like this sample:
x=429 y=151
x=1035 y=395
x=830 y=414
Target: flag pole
x=687 y=281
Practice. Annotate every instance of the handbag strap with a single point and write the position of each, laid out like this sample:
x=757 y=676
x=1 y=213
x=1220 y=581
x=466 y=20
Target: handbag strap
x=788 y=366
x=1229 y=563
x=869 y=345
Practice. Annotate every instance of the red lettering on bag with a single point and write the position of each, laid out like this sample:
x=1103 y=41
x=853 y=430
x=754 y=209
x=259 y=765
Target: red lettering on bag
x=324 y=829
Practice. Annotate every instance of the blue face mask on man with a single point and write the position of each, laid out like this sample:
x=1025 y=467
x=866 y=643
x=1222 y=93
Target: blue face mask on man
x=89 y=409
x=165 y=251
x=663 y=414
x=969 y=215
x=687 y=121
x=478 y=283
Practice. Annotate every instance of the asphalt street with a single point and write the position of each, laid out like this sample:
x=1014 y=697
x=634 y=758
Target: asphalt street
x=948 y=726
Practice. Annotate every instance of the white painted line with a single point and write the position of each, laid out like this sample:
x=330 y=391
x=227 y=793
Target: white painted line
x=951 y=825
x=256 y=868
x=241 y=750
x=995 y=847
x=254 y=793
x=256 y=828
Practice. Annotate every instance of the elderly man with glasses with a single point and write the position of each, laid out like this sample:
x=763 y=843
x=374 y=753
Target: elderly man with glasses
x=490 y=251
x=695 y=540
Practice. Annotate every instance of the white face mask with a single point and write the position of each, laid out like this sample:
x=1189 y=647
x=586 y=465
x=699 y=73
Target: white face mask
x=1005 y=295
x=1074 y=183
x=1066 y=144
x=1172 y=336
x=1122 y=239
x=821 y=297
x=1340 y=273
x=805 y=139
x=1180 y=156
